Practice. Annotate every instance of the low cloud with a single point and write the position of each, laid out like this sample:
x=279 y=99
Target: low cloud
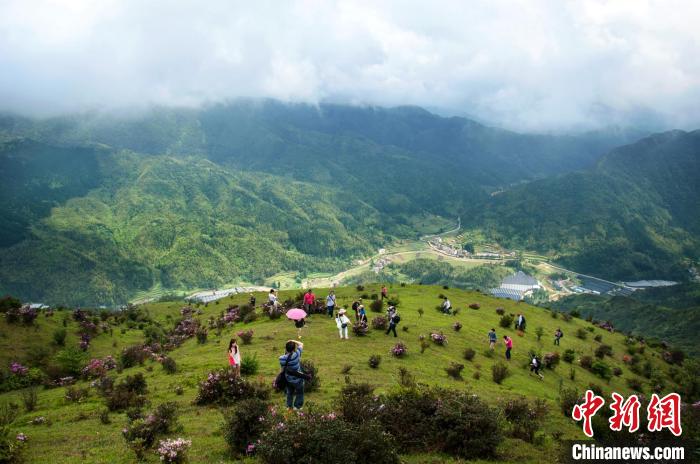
x=529 y=65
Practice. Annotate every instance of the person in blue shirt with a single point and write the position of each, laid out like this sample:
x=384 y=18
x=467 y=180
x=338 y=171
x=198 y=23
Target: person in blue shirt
x=290 y=361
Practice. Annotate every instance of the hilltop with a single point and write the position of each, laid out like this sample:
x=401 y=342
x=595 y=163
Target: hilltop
x=76 y=431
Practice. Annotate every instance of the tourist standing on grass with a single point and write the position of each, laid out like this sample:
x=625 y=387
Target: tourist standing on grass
x=394 y=319
x=290 y=362
x=342 y=322
x=330 y=303
x=355 y=307
x=234 y=356
x=446 y=306
x=520 y=322
x=309 y=301
x=251 y=300
x=557 y=336
x=385 y=292
x=509 y=345
x=272 y=299
x=492 y=339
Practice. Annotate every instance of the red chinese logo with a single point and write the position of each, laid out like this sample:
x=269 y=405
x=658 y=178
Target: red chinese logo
x=587 y=410
x=665 y=413
x=626 y=413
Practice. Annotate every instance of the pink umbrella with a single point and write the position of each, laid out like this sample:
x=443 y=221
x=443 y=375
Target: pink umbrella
x=296 y=313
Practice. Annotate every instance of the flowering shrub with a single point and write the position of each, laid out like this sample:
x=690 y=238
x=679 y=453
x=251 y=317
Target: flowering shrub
x=586 y=362
x=24 y=314
x=76 y=395
x=186 y=328
x=399 y=350
x=525 y=419
x=88 y=327
x=380 y=323
x=84 y=341
x=225 y=387
x=133 y=355
x=246 y=423
x=312 y=384
x=374 y=361
x=603 y=350
x=141 y=432
x=457 y=326
x=550 y=360
x=320 y=438
x=98 y=367
x=438 y=338
x=232 y=314
x=246 y=336
x=174 y=451
x=18 y=369
x=187 y=311
x=11 y=446
x=169 y=365
x=360 y=329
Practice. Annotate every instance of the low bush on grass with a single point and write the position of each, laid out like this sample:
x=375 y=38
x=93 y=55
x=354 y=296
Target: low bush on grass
x=76 y=394
x=142 y=431
x=439 y=338
x=550 y=360
x=586 y=362
x=246 y=336
x=525 y=419
x=129 y=393
x=499 y=372
x=603 y=351
x=569 y=356
x=501 y=312
x=245 y=423
x=169 y=365
x=308 y=367
x=379 y=323
x=30 y=399
x=59 y=337
x=454 y=370
x=582 y=334
x=173 y=450
x=133 y=355
x=250 y=365
x=202 y=334
x=635 y=383
x=602 y=370
x=317 y=438
x=506 y=321
x=475 y=306
x=374 y=361
x=225 y=387
x=406 y=379
x=469 y=354
x=568 y=398
x=376 y=306
x=399 y=350
x=457 y=326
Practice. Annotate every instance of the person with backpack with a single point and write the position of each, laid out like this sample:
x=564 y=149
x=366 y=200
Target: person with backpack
x=394 y=320
x=492 y=339
x=509 y=346
x=309 y=301
x=342 y=323
x=330 y=303
x=355 y=307
x=557 y=336
x=535 y=366
x=294 y=377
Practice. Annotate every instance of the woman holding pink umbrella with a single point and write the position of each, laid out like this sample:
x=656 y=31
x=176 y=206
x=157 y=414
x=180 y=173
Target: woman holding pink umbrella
x=298 y=315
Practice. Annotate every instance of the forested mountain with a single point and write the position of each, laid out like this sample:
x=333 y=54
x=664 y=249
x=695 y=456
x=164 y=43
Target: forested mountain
x=634 y=216
x=99 y=206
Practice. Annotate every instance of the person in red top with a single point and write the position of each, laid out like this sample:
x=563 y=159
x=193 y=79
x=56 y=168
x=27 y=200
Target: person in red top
x=384 y=292
x=509 y=345
x=309 y=301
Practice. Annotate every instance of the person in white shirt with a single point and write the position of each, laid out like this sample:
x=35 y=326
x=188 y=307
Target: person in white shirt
x=273 y=298
x=446 y=306
x=330 y=303
x=342 y=322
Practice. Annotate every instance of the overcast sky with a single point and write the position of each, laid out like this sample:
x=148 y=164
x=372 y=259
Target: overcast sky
x=528 y=65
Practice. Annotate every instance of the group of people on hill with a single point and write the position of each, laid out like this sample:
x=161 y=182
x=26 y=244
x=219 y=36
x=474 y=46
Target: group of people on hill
x=290 y=361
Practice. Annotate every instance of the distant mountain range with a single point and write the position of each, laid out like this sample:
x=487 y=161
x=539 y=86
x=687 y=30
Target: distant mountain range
x=101 y=206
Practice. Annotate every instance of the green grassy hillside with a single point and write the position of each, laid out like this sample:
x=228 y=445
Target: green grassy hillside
x=76 y=432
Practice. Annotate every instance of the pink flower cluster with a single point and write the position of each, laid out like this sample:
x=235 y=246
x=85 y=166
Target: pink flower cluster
x=173 y=450
x=399 y=350
x=99 y=367
x=18 y=369
x=438 y=338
